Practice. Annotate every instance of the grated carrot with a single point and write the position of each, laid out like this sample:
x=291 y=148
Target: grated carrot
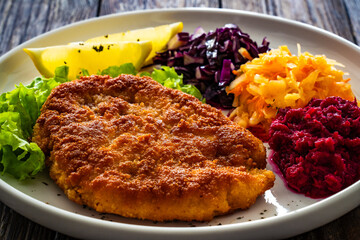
x=245 y=53
x=278 y=79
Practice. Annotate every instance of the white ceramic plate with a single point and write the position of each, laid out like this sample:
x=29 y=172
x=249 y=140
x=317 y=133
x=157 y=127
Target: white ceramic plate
x=280 y=213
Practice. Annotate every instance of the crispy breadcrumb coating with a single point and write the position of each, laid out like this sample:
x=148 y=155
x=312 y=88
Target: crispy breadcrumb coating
x=132 y=147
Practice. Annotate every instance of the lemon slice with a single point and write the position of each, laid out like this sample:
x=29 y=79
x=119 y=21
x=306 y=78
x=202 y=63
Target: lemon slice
x=89 y=56
x=159 y=37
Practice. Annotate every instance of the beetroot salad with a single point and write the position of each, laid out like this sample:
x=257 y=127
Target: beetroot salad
x=317 y=148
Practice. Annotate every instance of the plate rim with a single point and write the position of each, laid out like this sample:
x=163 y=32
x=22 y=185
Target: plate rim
x=24 y=198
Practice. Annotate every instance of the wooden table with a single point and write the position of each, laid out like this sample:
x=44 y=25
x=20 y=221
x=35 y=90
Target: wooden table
x=21 y=20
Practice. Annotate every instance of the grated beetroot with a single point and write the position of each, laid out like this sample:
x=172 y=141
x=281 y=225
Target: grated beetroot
x=317 y=148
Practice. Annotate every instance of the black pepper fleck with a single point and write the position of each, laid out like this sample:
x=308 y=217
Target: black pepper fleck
x=99 y=48
x=106 y=36
x=45 y=183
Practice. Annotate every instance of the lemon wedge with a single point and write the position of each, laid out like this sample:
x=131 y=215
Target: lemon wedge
x=159 y=37
x=90 y=56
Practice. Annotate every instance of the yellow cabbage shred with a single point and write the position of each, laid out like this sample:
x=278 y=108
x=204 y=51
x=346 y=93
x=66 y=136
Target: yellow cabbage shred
x=278 y=79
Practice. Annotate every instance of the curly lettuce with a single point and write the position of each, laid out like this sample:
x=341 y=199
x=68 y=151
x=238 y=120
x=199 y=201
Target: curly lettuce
x=19 y=110
x=168 y=77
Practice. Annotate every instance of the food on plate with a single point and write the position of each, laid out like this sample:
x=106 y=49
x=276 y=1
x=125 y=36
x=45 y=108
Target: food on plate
x=317 y=148
x=130 y=146
x=159 y=37
x=19 y=110
x=278 y=79
x=90 y=56
x=207 y=59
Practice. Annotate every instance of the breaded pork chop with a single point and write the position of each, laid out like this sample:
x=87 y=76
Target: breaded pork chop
x=132 y=147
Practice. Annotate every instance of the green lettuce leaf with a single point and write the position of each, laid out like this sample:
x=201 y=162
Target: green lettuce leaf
x=114 y=71
x=19 y=110
x=168 y=77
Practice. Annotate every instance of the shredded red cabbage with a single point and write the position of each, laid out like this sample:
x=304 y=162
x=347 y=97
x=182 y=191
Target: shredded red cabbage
x=207 y=60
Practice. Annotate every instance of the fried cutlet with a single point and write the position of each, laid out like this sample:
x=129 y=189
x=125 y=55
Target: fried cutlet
x=130 y=146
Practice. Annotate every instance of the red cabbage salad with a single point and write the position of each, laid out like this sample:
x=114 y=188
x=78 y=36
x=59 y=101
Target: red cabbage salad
x=207 y=60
